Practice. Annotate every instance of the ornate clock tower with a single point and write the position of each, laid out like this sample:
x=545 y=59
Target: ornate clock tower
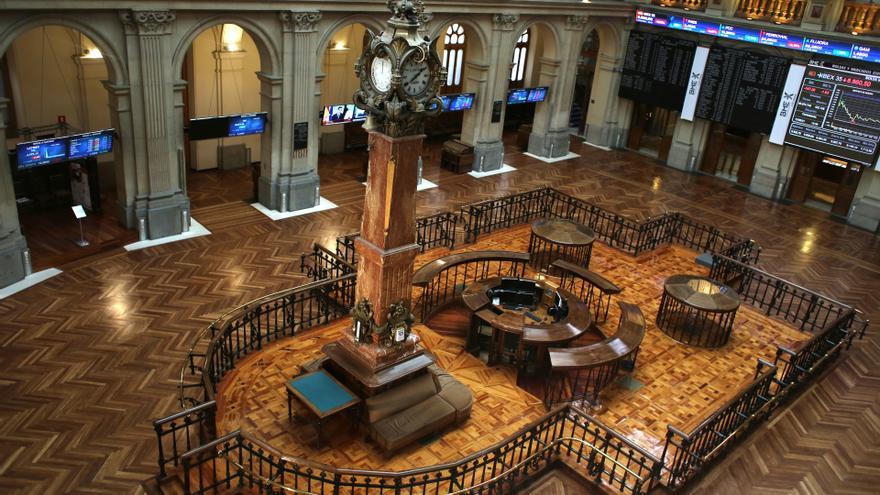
x=400 y=76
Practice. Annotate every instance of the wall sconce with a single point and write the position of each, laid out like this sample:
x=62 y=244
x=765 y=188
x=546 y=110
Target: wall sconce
x=339 y=46
x=231 y=38
x=92 y=53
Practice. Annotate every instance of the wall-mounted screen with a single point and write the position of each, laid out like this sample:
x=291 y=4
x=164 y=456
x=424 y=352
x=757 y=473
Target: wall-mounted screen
x=246 y=124
x=458 y=102
x=208 y=128
x=838 y=112
x=91 y=144
x=656 y=69
x=537 y=95
x=517 y=96
x=44 y=152
x=342 y=114
x=741 y=89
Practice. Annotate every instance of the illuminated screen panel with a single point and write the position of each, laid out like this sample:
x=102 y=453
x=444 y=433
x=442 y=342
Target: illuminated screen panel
x=517 y=96
x=342 y=114
x=91 y=144
x=45 y=152
x=243 y=125
x=741 y=88
x=537 y=95
x=656 y=69
x=838 y=112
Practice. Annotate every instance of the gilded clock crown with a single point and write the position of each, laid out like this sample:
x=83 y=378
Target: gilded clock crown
x=409 y=11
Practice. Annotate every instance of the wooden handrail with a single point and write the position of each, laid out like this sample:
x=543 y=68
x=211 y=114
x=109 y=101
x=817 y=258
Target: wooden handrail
x=423 y=275
x=186 y=412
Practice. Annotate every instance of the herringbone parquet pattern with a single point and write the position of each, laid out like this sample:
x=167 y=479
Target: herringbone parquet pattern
x=88 y=358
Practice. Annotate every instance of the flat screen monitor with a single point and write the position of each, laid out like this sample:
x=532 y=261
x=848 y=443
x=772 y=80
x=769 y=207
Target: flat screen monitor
x=537 y=95
x=517 y=96
x=246 y=124
x=208 y=128
x=91 y=144
x=342 y=114
x=458 y=102
x=44 y=152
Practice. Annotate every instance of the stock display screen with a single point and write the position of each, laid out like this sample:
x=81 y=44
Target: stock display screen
x=656 y=69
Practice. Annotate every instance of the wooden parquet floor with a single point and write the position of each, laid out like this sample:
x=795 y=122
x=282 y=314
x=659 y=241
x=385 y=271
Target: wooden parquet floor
x=90 y=357
x=254 y=399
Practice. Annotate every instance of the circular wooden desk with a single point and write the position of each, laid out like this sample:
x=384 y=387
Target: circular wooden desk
x=559 y=239
x=521 y=334
x=697 y=310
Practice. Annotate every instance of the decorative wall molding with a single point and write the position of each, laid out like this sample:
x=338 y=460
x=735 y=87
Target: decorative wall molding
x=576 y=22
x=300 y=22
x=147 y=22
x=504 y=22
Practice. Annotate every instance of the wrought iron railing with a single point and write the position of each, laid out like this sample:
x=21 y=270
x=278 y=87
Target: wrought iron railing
x=798 y=366
x=323 y=264
x=449 y=282
x=775 y=296
x=604 y=455
x=595 y=291
x=182 y=432
x=252 y=325
x=433 y=231
x=689 y=452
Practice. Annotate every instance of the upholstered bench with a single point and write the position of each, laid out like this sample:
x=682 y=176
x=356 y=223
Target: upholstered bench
x=417 y=408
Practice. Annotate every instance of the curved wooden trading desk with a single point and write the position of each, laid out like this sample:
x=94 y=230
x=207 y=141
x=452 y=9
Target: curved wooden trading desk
x=532 y=331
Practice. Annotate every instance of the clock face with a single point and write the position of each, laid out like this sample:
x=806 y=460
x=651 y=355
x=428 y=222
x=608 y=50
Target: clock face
x=415 y=77
x=381 y=74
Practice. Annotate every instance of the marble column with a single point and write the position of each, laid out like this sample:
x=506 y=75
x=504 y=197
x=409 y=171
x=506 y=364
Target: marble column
x=160 y=201
x=550 y=132
x=14 y=261
x=124 y=173
x=608 y=115
x=488 y=147
x=294 y=175
x=688 y=139
x=865 y=209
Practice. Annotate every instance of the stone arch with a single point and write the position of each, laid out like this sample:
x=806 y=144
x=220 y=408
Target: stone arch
x=116 y=68
x=477 y=52
x=369 y=22
x=270 y=60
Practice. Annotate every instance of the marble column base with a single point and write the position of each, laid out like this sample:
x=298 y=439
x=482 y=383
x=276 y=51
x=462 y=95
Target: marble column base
x=303 y=191
x=865 y=213
x=164 y=215
x=12 y=260
x=551 y=144
x=488 y=156
x=766 y=183
x=611 y=136
x=682 y=157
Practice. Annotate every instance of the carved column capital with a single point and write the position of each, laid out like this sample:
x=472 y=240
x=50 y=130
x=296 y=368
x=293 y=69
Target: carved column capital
x=504 y=22
x=146 y=22
x=576 y=22
x=300 y=22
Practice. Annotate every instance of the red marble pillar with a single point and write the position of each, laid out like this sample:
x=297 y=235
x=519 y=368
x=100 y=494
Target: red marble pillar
x=387 y=244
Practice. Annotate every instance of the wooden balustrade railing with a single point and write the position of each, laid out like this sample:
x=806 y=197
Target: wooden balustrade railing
x=238 y=460
x=590 y=287
x=860 y=18
x=778 y=11
x=682 y=4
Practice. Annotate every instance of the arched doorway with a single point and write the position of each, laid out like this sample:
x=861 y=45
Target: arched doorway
x=343 y=141
x=532 y=81
x=583 y=84
x=55 y=76
x=220 y=67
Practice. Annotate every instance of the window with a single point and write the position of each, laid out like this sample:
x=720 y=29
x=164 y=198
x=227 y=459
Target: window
x=520 y=55
x=453 y=56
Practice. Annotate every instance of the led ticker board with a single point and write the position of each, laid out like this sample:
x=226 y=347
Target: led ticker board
x=91 y=144
x=760 y=36
x=838 y=112
x=741 y=88
x=656 y=69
